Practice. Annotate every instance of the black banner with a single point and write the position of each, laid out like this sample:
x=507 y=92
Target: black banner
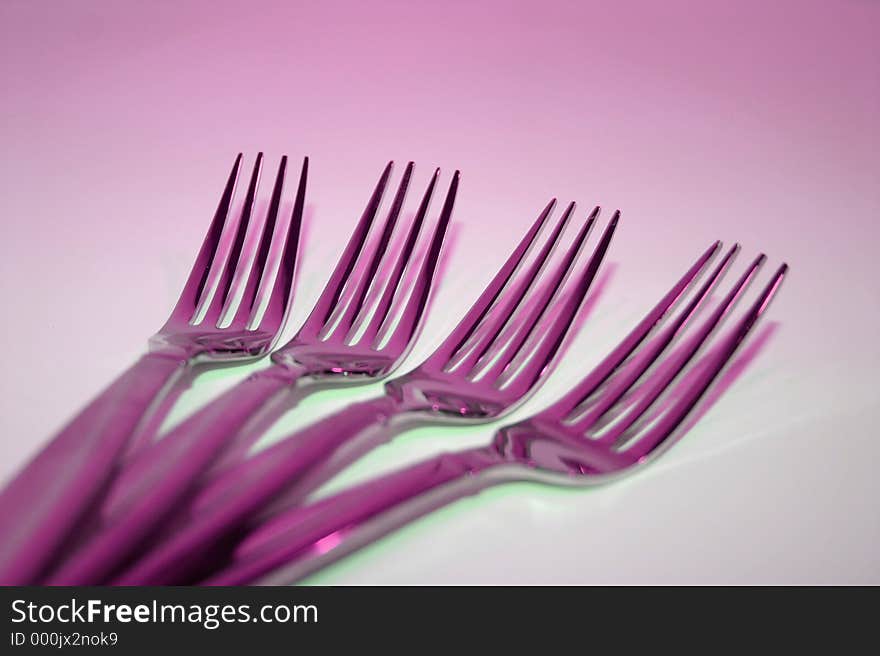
x=288 y=619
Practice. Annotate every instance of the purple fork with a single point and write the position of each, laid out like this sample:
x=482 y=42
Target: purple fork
x=474 y=376
x=41 y=506
x=349 y=337
x=606 y=427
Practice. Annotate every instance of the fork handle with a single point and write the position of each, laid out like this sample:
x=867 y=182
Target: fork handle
x=41 y=506
x=152 y=486
x=239 y=493
x=328 y=529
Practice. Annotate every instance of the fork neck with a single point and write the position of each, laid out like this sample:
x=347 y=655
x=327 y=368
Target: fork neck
x=405 y=403
x=544 y=444
x=160 y=348
x=291 y=368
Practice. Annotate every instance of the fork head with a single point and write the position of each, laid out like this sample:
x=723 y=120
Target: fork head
x=199 y=327
x=362 y=325
x=635 y=403
x=501 y=350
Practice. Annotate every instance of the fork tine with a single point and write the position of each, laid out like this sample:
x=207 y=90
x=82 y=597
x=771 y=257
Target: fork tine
x=221 y=296
x=415 y=305
x=628 y=377
x=690 y=397
x=495 y=327
x=279 y=298
x=333 y=289
x=365 y=280
x=189 y=298
x=483 y=304
x=657 y=383
x=257 y=270
x=632 y=341
x=382 y=309
x=538 y=361
x=545 y=296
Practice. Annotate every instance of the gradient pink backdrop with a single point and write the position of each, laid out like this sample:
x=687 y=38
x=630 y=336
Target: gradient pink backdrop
x=747 y=121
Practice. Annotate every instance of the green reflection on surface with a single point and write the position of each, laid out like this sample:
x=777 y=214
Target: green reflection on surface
x=362 y=557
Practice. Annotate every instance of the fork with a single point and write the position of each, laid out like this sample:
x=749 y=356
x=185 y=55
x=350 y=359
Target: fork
x=605 y=428
x=443 y=389
x=338 y=343
x=41 y=505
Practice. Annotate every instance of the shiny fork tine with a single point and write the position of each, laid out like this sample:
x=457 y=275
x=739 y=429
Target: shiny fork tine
x=191 y=296
x=632 y=341
x=384 y=306
x=492 y=330
x=412 y=313
x=365 y=280
x=484 y=303
x=258 y=265
x=227 y=276
x=659 y=435
x=329 y=297
x=627 y=378
x=279 y=297
x=537 y=362
x=659 y=382
x=544 y=297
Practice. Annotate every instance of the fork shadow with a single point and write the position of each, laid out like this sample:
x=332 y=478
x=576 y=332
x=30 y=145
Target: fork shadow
x=584 y=313
x=739 y=365
x=725 y=381
x=589 y=305
x=736 y=369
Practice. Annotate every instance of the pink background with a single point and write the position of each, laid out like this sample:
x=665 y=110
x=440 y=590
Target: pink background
x=749 y=121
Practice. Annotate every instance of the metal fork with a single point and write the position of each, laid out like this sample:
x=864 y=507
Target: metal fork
x=41 y=505
x=446 y=388
x=332 y=346
x=605 y=428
